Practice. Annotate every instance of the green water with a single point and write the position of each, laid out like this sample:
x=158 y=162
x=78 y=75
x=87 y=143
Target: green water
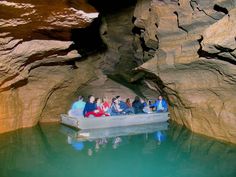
x=43 y=151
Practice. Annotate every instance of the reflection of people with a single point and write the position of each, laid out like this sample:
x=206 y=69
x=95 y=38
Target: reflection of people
x=116 y=142
x=90 y=152
x=160 y=105
x=159 y=136
x=99 y=142
x=77 y=145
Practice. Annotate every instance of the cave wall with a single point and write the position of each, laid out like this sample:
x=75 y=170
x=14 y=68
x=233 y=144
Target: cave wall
x=37 y=59
x=51 y=52
x=194 y=44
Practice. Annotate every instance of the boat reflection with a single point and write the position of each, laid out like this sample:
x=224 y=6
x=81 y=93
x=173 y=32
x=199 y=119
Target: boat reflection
x=113 y=136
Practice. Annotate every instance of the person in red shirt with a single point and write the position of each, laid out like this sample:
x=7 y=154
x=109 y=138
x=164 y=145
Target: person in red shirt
x=105 y=106
x=93 y=109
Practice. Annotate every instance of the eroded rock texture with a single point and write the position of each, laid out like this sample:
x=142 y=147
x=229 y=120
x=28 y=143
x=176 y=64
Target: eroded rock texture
x=37 y=59
x=47 y=58
x=184 y=49
x=194 y=45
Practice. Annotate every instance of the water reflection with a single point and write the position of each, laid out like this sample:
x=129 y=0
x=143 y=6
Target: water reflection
x=102 y=137
x=53 y=150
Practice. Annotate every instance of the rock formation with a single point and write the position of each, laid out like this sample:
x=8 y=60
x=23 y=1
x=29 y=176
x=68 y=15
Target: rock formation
x=36 y=59
x=45 y=62
x=194 y=43
x=52 y=51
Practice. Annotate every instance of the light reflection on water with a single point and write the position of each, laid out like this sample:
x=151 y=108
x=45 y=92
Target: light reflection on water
x=53 y=150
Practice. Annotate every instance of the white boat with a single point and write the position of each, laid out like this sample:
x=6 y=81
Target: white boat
x=113 y=121
x=93 y=134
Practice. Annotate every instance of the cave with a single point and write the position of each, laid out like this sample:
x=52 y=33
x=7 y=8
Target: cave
x=53 y=52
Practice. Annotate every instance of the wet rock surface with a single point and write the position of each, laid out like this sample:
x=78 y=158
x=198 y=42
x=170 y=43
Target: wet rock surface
x=184 y=50
x=194 y=60
x=38 y=59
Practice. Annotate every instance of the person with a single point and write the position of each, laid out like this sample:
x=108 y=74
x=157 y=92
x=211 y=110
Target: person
x=126 y=109
x=128 y=103
x=146 y=105
x=100 y=111
x=121 y=103
x=138 y=105
x=105 y=106
x=90 y=107
x=160 y=105
x=77 y=108
x=115 y=107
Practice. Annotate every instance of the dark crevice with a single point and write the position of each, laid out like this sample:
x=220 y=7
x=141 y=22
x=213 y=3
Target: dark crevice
x=177 y=15
x=9 y=78
x=220 y=9
x=207 y=55
x=110 y=7
x=88 y=40
x=137 y=30
x=18 y=84
x=133 y=19
x=144 y=46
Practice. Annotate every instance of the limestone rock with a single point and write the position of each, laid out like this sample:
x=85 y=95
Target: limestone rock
x=219 y=38
x=37 y=60
x=195 y=62
x=43 y=19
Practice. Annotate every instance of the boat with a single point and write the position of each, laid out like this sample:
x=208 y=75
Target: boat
x=113 y=121
x=94 y=134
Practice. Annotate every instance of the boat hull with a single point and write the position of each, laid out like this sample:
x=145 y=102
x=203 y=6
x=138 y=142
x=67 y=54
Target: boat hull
x=113 y=121
x=112 y=132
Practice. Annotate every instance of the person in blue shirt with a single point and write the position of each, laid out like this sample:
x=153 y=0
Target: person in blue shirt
x=77 y=108
x=160 y=105
x=125 y=108
x=115 y=107
x=90 y=107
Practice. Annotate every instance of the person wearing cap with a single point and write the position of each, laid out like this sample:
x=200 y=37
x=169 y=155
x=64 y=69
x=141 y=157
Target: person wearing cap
x=77 y=108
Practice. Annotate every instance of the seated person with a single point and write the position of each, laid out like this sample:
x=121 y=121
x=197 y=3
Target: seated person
x=160 y=105
x=124 y=106
x=100 y=109
x=77 y=108
x=90 y=108
x=105 y=106
x=115 y=108
x=138 y=105
x=128 y=103
x=128 y=107
x=146 y=108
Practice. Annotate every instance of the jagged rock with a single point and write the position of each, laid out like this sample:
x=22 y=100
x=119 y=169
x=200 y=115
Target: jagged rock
x=199 y=86
x=219 y=38
x=44 y=20
x=40 y=72
x=36 y=66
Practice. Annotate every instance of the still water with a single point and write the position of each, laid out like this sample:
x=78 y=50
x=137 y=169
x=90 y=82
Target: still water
x=54 y=150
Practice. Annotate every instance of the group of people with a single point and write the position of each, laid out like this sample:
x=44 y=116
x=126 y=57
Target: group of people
x=96 y=107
